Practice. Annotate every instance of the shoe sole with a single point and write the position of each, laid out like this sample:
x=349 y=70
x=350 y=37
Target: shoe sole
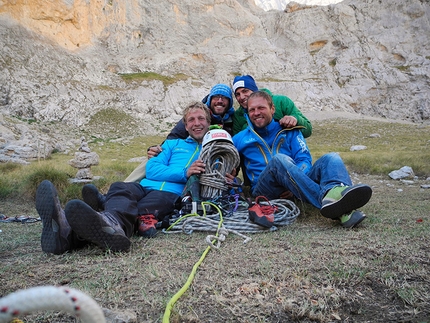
x=151 y=233
x=353 y=199
x=48 y=207
x=260 y=220
x=356 y=223
x=89 y=225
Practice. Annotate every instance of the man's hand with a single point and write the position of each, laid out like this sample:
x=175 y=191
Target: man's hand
x=229 y=178
x=153 y=151
x=288 y=122
x=196 y=168
x=287 y=195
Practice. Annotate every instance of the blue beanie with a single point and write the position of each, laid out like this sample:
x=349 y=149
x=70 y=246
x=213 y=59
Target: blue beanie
x=223 y=90
x=246 y=81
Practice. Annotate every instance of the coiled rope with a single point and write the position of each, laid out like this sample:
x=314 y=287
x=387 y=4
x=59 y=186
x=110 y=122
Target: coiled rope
x=236 y=221
x=221 y=158
x=44 y=298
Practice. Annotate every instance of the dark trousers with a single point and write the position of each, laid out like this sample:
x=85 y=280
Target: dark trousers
x=128 y=200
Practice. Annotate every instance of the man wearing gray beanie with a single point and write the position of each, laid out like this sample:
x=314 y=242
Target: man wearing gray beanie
x=286 y=113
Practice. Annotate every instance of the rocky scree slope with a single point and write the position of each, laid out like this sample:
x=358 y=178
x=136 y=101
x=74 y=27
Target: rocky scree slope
x=65 y=62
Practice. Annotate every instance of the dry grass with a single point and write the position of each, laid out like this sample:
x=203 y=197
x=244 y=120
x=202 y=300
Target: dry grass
x=310 y=271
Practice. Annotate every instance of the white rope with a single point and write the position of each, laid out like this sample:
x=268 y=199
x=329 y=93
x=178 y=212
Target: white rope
x=45 y=298
x=220 y=157
x=236 y=222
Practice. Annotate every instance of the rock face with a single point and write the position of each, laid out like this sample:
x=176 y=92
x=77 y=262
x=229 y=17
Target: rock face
x=66 y=61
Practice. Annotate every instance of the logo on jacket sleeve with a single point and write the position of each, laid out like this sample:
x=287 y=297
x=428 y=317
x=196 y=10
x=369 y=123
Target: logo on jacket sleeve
x=302 y=144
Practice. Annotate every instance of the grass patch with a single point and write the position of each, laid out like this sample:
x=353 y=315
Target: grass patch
x=151 y=76
x=311 y=271
x=390 y=146
x=111 y=124
x=402 y=68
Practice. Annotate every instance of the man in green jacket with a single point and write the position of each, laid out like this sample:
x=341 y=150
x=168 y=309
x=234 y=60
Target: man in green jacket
x=286 y=111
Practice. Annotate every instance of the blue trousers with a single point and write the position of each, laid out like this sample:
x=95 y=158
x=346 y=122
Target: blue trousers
x=281 y=174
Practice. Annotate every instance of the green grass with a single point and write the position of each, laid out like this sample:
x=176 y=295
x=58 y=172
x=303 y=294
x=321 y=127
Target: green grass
x=396 y=146
x=310 y=271
x=151 y=76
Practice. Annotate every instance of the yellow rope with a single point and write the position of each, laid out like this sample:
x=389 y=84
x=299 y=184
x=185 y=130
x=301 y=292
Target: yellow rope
x=169 y=306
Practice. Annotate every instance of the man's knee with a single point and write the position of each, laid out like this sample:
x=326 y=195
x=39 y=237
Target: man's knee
x=332 y=156
x=282 y=160
x=121 y=186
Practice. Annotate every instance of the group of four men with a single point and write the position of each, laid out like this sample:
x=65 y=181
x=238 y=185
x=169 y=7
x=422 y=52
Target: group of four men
x=268 y=132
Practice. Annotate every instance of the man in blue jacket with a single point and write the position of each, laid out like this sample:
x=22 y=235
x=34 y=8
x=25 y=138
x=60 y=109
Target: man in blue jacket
x=277 y=159
x=129 y=206
x=220 y=104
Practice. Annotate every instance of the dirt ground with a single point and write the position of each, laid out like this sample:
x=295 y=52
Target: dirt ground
x=310 y=271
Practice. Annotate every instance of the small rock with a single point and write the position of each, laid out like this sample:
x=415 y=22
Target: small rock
x=403 y=172
x=357 y=147
x=137 y=159
x=375 y=135
x=124 y=316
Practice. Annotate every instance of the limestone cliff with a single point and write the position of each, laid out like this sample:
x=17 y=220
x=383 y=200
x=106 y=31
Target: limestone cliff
x=66 y=60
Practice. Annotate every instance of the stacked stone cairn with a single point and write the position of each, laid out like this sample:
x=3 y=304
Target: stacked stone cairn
x=84 y=159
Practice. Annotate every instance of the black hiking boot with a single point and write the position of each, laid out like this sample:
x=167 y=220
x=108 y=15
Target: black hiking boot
x=100 y=228
x=56 y=232
x=92 y=196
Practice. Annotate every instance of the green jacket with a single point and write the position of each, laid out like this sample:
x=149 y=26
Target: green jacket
x=283 y=106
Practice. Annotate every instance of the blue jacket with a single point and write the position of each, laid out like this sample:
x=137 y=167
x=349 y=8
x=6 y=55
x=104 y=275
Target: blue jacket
x=257 y=147
x=168 y=170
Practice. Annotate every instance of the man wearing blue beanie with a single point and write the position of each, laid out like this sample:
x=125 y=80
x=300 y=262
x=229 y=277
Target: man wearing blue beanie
x=220 y=104
x=286 y=112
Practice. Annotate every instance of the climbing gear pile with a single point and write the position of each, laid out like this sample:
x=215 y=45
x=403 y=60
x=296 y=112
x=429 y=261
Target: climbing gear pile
x=234 y=216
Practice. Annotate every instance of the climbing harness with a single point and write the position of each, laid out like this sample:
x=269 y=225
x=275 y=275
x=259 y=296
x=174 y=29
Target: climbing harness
x=22 y=219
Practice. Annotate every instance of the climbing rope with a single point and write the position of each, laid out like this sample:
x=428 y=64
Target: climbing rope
x=166 y=316
x=235 y=221
x=221 y=158
x=45 y=298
